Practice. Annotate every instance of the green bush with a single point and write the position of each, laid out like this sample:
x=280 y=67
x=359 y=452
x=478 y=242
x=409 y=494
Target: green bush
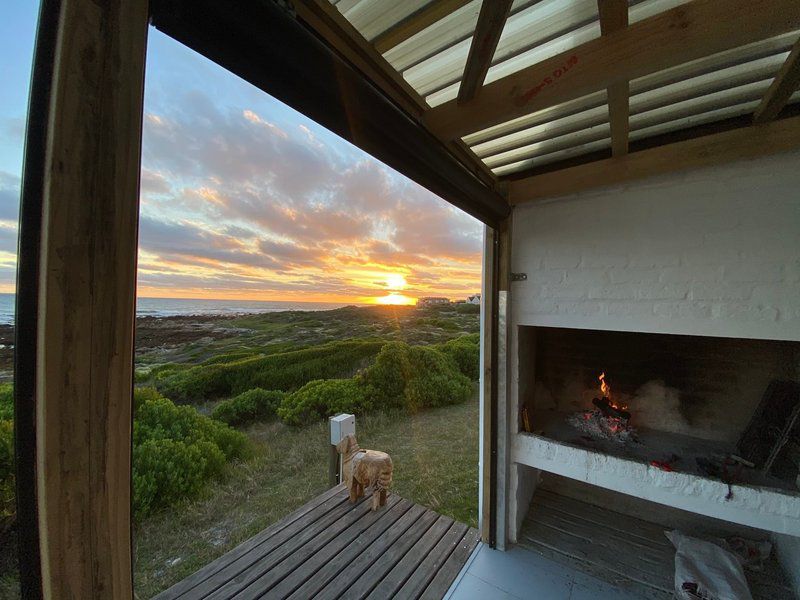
x=286 y=371
x=468 y=309
x=414 y=378
x=249 y=407
x=6 y=400
x=323 y=398
x=176 y=450
x=166 y=470
x=7 y=492
x=465 y=351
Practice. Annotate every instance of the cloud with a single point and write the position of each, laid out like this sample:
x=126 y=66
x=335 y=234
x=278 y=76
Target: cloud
x=277 y=209
x=9 y=197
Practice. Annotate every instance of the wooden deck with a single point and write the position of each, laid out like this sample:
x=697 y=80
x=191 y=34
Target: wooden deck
x=331 y=548
x=630 y=553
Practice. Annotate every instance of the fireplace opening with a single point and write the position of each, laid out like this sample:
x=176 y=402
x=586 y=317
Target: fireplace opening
x=723 y=408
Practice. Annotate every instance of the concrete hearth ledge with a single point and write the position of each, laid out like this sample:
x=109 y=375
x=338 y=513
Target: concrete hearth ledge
x=764 y=508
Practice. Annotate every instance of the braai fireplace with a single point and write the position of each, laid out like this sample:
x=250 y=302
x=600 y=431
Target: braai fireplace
x=620 y=409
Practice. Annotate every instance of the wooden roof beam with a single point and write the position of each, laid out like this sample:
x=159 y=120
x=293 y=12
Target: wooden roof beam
x=334 y=28
x=614 y=17
x=491 y=21
x=419 y=21
x=687 y=32
x=717 y=148
x=785 y=84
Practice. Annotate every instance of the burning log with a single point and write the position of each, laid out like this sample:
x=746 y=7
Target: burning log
x=605 y=406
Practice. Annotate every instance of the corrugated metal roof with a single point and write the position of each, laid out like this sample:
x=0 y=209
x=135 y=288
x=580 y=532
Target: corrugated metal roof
x=433 y=60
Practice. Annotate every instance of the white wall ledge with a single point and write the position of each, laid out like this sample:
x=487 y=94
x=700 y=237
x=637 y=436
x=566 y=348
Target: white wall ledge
x=764 y=508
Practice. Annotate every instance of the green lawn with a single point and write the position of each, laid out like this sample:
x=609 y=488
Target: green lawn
x=435 y=455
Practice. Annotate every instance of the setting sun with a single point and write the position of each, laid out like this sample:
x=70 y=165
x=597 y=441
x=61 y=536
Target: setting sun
x=395 y=299
x=396 y=281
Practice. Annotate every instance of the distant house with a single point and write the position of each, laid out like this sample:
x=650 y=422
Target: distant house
x=474 y=299
x=432 y=301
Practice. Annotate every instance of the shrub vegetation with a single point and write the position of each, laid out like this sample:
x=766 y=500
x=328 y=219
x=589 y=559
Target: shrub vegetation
x=410 y=378
x=252 y=406
x=7 y=491
x=286 y=371
x=323 y=398
x=6 y=400
x=465 y=351
x=176 y=450
x=415 y=378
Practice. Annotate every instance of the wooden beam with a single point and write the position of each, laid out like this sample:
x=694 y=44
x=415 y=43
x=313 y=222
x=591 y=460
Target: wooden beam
x=728 y=146
x=340 y=35
x=491 y=21
x=420 y=20
x=785 y=84
x=298 y=67
x=86 y=298
x=690 y=31
x=614 y=17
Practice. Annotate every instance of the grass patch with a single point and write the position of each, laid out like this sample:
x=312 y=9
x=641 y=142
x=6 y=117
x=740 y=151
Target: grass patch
x=435 y=456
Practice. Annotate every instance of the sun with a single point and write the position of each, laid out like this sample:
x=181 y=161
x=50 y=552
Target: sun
x=395 y=299
x=396 y=281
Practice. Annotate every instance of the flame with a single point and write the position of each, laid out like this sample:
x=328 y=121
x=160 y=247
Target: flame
x=604 y=387
x=606 y=390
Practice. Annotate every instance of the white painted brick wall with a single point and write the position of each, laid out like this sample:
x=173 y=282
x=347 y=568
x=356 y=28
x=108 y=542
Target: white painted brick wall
x=708 y=252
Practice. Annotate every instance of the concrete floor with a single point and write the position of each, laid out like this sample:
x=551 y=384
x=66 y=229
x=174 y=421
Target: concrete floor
x=519 y=573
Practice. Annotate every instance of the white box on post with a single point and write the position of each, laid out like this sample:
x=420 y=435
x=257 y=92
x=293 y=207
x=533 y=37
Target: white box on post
x=341 y=426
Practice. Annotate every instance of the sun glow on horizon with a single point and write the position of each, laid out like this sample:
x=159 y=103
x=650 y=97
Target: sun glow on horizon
x=395 y=299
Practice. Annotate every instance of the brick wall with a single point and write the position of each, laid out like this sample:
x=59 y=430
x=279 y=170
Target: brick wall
x=706 y=252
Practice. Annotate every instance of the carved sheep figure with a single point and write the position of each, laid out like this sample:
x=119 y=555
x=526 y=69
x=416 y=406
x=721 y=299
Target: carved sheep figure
x=365 y=469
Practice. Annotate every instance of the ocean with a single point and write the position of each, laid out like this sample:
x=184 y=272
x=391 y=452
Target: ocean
x=172 y=307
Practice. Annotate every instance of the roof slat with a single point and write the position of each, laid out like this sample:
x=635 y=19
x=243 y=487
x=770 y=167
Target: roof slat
x=418 y=21
x=736 y=144
x=676 y=36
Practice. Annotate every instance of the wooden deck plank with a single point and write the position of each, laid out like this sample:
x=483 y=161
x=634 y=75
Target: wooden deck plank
x=395 y=579
x=646 y=530
x=226 y=559
x=393 y=555
x=331 y=548
x=302 y=561
x=445 y=576
x=352 y=571
x=422 y=577
x=309 y=568
x=325 y=575
x=266 y=561
x=577 y=526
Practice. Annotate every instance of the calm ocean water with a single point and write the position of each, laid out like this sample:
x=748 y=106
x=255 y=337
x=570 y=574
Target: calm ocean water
x=170 y=307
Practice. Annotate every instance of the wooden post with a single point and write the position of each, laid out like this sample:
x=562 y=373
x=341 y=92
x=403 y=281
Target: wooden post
x=341 y=425
x=86 y=297
x=333 y=467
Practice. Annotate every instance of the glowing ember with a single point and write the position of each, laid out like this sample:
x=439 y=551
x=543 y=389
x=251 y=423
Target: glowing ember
x=608 y=421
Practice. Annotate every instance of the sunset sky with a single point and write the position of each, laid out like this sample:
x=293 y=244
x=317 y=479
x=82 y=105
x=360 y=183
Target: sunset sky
x=241 y=197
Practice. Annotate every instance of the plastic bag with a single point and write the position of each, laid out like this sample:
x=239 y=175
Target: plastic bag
x=704 y=570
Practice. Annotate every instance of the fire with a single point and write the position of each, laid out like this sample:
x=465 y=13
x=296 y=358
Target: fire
x=606 y=391
x=604 y=387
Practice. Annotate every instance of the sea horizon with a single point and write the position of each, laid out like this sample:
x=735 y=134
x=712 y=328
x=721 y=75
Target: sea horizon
x=175 y=307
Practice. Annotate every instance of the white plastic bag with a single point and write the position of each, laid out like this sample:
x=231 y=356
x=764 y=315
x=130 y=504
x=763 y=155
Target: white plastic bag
x=705 y=570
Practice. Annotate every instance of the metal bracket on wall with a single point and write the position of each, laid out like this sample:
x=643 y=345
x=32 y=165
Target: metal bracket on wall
x=519 y=276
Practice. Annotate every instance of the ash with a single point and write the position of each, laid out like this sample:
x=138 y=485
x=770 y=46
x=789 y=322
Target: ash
x=600 y=427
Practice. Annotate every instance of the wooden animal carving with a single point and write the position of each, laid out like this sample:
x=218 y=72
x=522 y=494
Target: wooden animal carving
x=365 y=469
